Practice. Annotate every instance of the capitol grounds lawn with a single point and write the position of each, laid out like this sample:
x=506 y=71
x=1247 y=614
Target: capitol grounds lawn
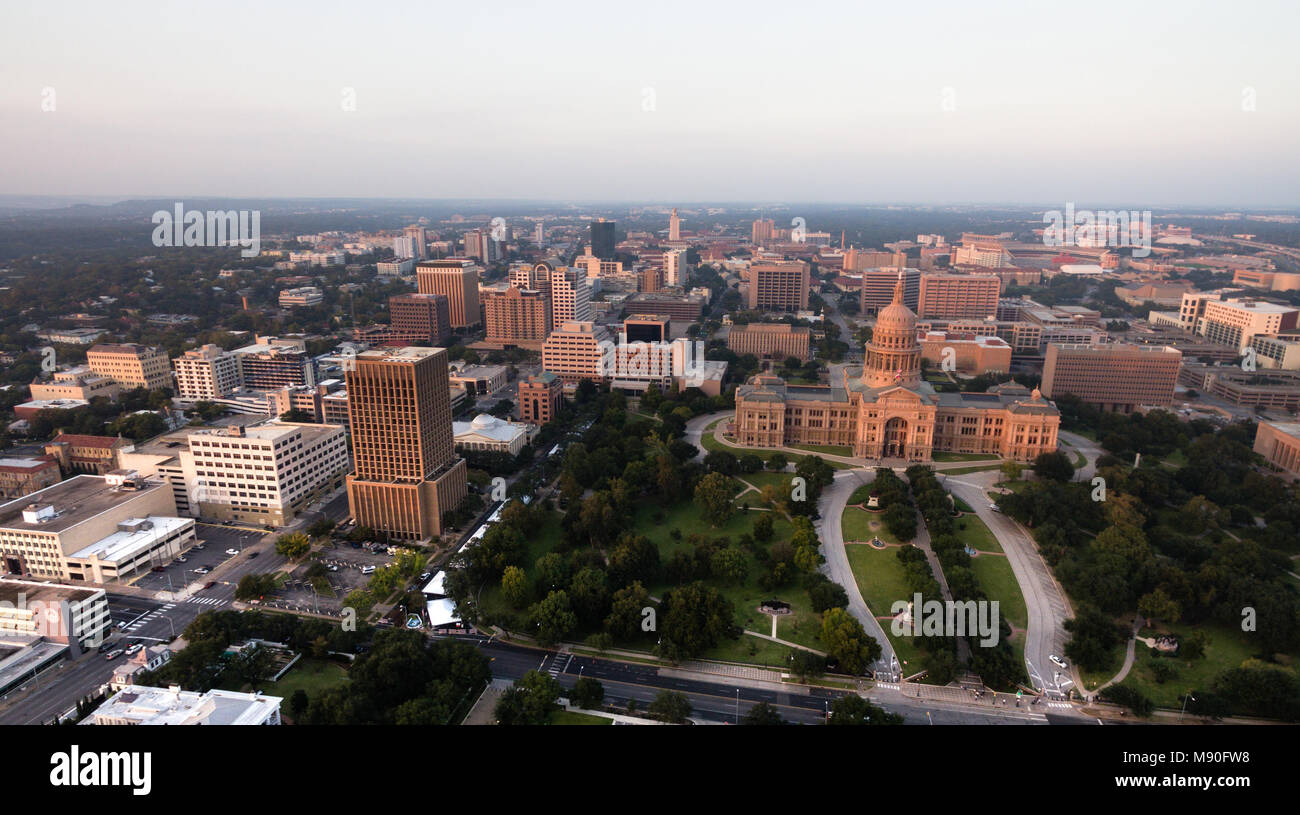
x=1227 y=647
x=977 y=469
x=941 y=456
x=828 y=449
x=880 y=579
x=855 y=524
x=801 y=626
x=996 y=578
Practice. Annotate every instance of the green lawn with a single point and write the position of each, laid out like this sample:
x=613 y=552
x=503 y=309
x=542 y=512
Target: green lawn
x=1014 y=486
x=1227 y=648
x=999 y=582
x=981 y=469
x=752 y=651
x=880 y=579
x=856 y=526
x=828 y=449
x=310 y=675
x=965 y=457
x=975 y=534
x=570 y=717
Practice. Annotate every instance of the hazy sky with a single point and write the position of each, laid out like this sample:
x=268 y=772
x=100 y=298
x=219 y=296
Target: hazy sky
x=1099 y=102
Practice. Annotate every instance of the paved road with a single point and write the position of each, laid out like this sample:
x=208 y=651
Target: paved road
x=1083 y=445
x=1045 y=602
x=718 y=701
x=834 y=499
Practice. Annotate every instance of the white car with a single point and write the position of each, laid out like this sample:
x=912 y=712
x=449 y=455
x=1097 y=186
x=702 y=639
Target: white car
x=232 y=551
x=1058 y=662
x=202 y=570
x=133 y=648
x=994 y=507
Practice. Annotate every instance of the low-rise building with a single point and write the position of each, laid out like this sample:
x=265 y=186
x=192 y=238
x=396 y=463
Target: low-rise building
x=86 y=455
x=770 y=340
x=1279 y=443
x=967 y=353
x=480 y=380
x=139 y=704
x=131 y=365
x=489 y=434
x=21 y=475
x=77 y=383
x=301 y=297
x=540 y=398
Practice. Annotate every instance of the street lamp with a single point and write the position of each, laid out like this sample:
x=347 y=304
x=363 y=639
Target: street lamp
x=737 y=705
x=1184 y=708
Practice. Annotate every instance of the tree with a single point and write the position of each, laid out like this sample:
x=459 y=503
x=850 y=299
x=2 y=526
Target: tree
x=1011 y=470
x=529 y=701
x=1054 y=466
x=846 y=640
x=553 y=618
x=854 y=710
x=1158 y=605
x=715 y=496
x=729 y=565
x=624 y=620
x=695 y=618
x=762 y=714
x=514 y=585
x=293 y=546
x=763 y=527
x=587 y=693
x=670 y=706
x=297 y=703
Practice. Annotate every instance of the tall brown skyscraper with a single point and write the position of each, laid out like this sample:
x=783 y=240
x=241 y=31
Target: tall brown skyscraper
x=457 y=279
x=406 y=471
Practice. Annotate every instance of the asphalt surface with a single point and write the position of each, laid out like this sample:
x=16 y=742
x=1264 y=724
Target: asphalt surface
x=718 y=701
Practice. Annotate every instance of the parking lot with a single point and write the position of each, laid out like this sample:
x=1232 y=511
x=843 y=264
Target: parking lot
x=215 y=540
x=345 y=563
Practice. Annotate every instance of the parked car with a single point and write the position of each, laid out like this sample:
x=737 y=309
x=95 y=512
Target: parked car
x=254 y=554
x=1060 y=663
x=114 y=654
x=202 y=570
x=209 y=584
x=182 y=559
x=132 y=648
x=158 y=569
x=367 y=569
x=232 y=551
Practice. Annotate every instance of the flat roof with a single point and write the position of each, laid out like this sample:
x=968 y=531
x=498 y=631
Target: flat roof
x=75 y=501
x=34 y=591
x=122 y=546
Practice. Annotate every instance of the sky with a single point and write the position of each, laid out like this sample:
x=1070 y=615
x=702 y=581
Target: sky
x=1126 y=104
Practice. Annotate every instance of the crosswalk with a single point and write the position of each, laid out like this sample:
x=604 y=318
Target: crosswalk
x=148 y=617
x=556 y=668
x=205 y=601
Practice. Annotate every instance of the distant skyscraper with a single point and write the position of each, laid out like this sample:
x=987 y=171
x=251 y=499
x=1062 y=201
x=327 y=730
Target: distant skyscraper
x=407 y=474
x=602 y=239
x=675 y=267
x=762 y=231
x=420 y=240
x=539 y=233
x=674 y=226
x=779 y=285
x=480 y=244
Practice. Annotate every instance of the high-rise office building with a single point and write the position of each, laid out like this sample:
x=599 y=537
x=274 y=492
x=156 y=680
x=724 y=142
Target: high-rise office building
x=480 y=244
x=762 y=231
x=517 y=317
x=570 y=296
x=420 y=319
x=779 y=285
x=602 y=239
x=675 y=267
x=1116 y=377
x=878 y=288
x=958 y=296
x=576 y=350
x=674 y=226
x=206 y=373
x=456 y=279
x=407 y=474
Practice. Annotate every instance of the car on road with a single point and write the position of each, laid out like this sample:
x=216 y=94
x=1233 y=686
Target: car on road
x=254 y=554
x=114 y=654
x=182 y=559
x=232 y=551
x=994 y=508
x=105 y=647
x=202 y=570
x=1058 y=662
x=158 y=569
x=367 y=569
x=209 y=584
x=121 y=624
x=425 y=575
x=132 y=648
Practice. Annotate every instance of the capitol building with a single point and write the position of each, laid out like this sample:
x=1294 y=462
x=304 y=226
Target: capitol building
x=884 y=410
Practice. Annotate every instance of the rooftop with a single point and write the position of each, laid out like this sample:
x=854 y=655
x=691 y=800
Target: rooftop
x=75 y=501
